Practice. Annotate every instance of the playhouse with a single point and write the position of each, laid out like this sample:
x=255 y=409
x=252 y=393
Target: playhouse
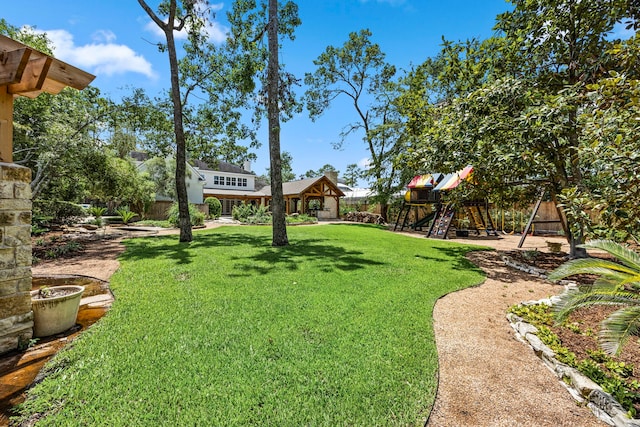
x=423 y=202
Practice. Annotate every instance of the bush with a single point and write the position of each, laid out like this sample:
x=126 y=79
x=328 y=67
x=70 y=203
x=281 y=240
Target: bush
x=215 y=207
x=59 y=212
x=197 y=217
x=126 y=214
x=251 y=214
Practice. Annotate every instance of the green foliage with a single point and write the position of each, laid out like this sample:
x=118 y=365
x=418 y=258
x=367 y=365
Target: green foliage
x=196 y=217
x=59 y=211
x=251 y=214
x=600 y=367
x=97 y=211
x=155 y=223
x=536 y=314
x=301 y=219
x=126 y=214
x=54 y=248
x=527 y=108
x=357 y=71
x=317 y=333
x=215 y=207
x=618 y=284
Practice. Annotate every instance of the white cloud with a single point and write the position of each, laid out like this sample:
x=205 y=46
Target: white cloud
x=216 y=32
x=104 y=36
x=364 y=163
x=102 y=57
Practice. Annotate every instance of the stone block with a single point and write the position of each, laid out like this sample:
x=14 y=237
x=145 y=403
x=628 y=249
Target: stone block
x=16 y=304
x=22 y=190
x=17 y=235
x=24 y=284
x=13 y=172
x=15 y=273
x=24 y=217
x=7 y=218
x=23 y=256
x=580 y=382
x=8 y=287
x=8 y=343
x=6 y=190
x=16 y=324
x=16 y=205
x=7 y=258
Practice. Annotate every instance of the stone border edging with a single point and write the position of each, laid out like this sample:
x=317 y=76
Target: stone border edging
x=582 y=388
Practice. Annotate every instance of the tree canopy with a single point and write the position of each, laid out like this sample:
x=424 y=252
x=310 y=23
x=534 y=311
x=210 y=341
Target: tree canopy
x=520 y=107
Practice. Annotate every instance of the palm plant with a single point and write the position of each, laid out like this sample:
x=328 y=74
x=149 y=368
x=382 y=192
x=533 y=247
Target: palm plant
x=618 y=284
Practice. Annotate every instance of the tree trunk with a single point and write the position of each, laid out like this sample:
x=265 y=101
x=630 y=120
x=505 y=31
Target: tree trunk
x=181 y=151
x=273 y=113
x=181 y=155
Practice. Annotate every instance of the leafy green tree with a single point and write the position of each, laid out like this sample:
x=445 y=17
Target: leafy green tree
x=358 y=71
x=317 y=173
x=58 y=137
x=250 y=21
x=511 y=106
x=352 y=175
x=618 y=284
x=119 y=182
x=286 y=164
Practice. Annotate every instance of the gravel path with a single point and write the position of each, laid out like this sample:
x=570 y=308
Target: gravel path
x=486 y=376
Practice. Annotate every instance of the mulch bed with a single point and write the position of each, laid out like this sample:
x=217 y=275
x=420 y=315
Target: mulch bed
x=586 y=319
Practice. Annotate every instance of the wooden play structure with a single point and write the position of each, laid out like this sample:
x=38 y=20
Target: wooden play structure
x=423 y=197
x=561 y=219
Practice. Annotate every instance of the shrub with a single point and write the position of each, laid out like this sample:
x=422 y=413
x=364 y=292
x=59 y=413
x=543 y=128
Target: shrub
x=97 y=211
x=196 y=217
x=126 y=214
x=618 y=284
x=59 y=211
x=251 y=214
x=215 y=207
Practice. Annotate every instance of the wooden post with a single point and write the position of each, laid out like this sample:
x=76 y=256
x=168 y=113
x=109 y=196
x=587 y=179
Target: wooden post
x=6 y=125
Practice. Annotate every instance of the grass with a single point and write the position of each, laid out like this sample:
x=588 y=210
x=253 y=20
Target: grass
x=335 y=329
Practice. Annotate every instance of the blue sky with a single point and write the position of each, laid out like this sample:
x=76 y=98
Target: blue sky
x=114 y=40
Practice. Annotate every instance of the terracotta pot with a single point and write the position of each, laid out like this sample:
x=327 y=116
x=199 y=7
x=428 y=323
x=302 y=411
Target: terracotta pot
x=55 y=314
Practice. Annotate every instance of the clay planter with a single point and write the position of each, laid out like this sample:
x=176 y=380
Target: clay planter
x=56 y=312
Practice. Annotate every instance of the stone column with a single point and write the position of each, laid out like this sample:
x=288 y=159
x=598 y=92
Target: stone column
x=16 y=317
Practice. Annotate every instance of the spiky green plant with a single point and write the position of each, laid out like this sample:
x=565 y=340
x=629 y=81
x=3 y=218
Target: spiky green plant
x=618 y=284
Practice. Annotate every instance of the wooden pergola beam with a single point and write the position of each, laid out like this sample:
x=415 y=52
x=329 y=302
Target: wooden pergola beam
x=12 y=64
x=25 y=71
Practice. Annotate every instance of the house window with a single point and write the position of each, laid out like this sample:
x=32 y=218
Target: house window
x=244 y=182
x=233 y=181
x=216 y=181
x=229 y=181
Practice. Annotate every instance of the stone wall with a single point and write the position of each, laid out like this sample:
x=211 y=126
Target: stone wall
x=16 y=317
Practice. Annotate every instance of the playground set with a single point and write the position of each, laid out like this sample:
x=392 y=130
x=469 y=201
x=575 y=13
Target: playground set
x=423 y=198
x=423 y=209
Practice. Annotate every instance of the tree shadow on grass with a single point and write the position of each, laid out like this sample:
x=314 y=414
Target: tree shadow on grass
x=326 y=257
x=325 y=254
x=455 y=256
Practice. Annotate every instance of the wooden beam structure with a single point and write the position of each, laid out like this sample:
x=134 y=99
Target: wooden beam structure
x=25 y=71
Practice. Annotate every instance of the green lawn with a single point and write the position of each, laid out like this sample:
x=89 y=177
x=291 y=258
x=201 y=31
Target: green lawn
x=335 y=329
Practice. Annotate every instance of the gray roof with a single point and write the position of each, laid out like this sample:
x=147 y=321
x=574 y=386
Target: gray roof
x=221 y=167
x=298 y=187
